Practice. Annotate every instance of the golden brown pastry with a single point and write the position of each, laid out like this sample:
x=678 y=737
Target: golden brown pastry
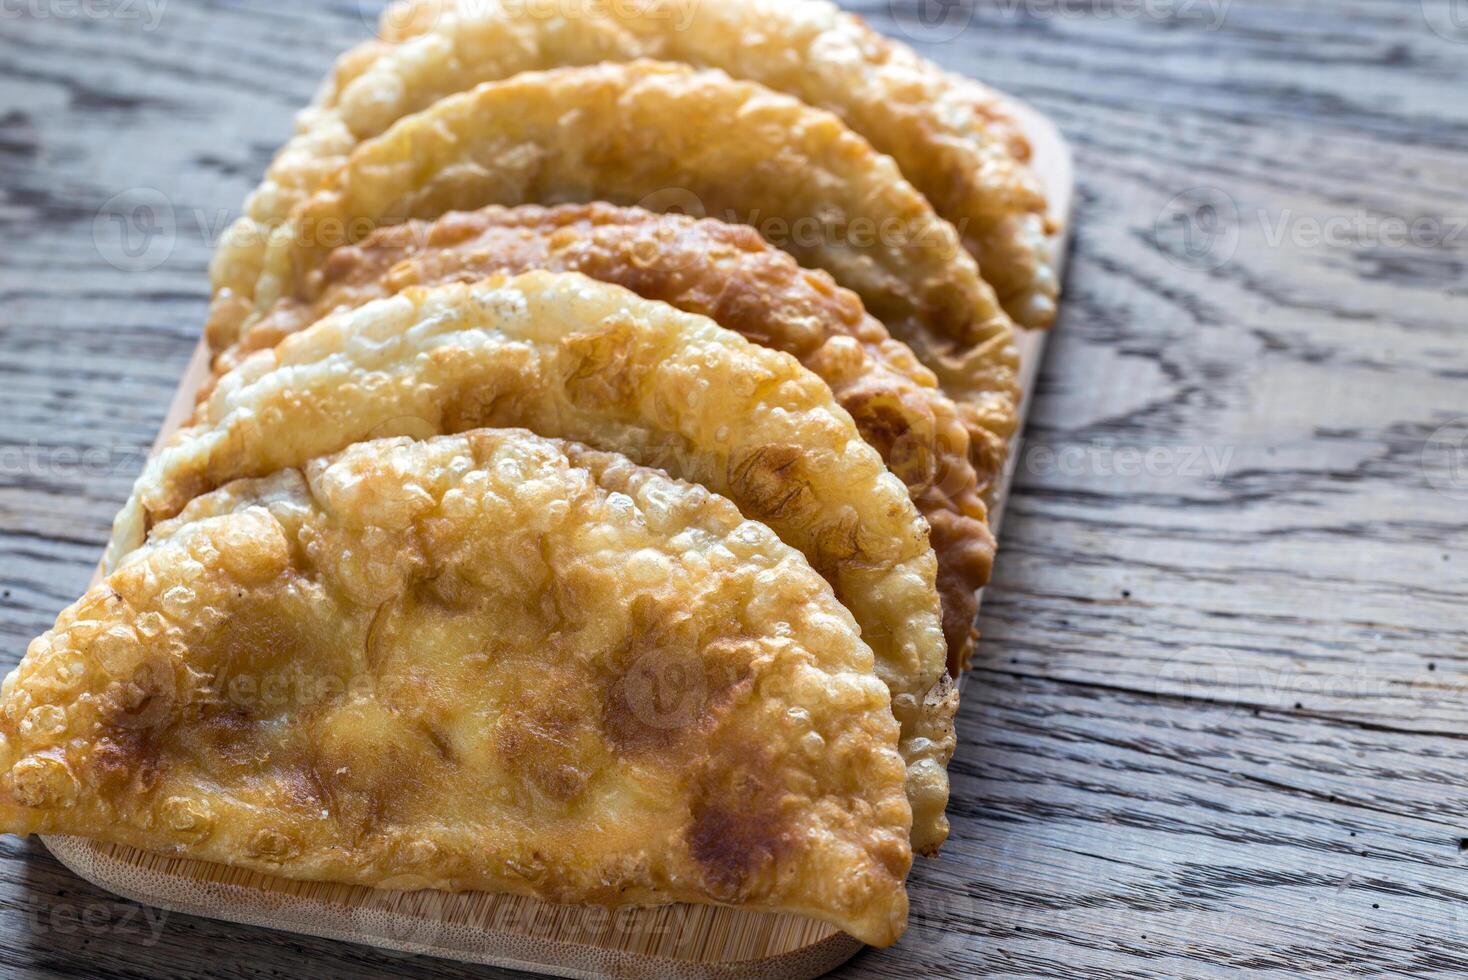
x=500 y=46
x=485 y=662
x=729 y=274
x=659 y=135
x=951 y=136
x=569 y=357
x=759 y=36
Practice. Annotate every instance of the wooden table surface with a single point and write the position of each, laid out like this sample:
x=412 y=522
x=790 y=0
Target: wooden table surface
x=1219 y=715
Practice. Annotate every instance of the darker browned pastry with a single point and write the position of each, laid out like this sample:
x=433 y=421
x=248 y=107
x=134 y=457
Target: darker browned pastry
x=731 y=275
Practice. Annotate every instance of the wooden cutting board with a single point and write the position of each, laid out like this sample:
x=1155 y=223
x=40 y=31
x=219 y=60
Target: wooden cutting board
x=677 y=942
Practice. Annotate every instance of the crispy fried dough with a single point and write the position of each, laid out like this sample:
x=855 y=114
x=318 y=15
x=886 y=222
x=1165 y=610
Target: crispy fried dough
x=569 y=357
x=660 y=136
x=952 y=136
x=486 y=662
x=729 y=274
x=496 y=47
x=764 y=34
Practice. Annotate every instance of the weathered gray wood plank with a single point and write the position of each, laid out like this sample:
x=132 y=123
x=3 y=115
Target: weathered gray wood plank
x=1219 y=714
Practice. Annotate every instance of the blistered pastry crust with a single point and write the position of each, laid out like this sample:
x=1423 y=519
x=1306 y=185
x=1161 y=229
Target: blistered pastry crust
x=952 y=137
x=659 y=135
x=569 y=357
x=489 y=662
x=729 y=274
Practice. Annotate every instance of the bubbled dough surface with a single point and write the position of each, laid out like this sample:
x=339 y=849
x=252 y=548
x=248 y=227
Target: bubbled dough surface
x=436 y=665
x=731 y=275
x=951 y=136
x=659 y=135
x=569 y=357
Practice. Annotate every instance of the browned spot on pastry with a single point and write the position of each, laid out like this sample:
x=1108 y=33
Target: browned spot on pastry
x=368 y=784
x=124 y=757
x=273 y=845
x=604 y=373
x=666 y=683
x=899 y=428
x=354 y=810
x=768 y=483
x=190 y=484
x=470 y=406
x=300 y=789
x=230 y=733
x=440 y=742
x=447 y=591
x=143 y=699
x=737 y=833
x=542 y=744
x=657 y=703
x=251 y=649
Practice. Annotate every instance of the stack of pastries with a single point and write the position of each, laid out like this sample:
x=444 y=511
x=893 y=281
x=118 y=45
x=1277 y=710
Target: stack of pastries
x=591 y=491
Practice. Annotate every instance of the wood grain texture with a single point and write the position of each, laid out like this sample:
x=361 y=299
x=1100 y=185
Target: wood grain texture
x=1218 y=715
